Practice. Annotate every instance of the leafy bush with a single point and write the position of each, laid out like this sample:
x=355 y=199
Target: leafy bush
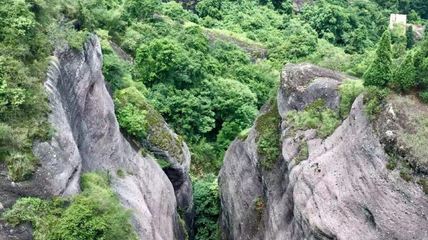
x=268 y=139
x=141 y=9
x=76 y=39
x=207 y=207
x=315 y=116
x=130 y=112
x=94 y=214
x=301 y=42
x=164 y=60
x=374 y=100
x=206 y=158
x=211 y=8
x=349 y=90
x=424 y=96
x=23 y=114
x=116 y=72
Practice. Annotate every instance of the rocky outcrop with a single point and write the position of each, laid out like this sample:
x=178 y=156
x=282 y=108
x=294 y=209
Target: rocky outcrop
x=340 y=190
x=254 y=49
x=87 y=138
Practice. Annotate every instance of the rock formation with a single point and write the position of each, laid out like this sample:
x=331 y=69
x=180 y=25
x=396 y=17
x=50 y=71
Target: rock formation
x=341 y=190
x=87 y=138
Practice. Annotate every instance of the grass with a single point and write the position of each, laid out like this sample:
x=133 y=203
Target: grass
x=418 y=140
x=412 y=116
x=268 y=139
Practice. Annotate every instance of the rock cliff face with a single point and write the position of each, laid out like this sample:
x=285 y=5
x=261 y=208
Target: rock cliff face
x=87 y=138
x=341 y=190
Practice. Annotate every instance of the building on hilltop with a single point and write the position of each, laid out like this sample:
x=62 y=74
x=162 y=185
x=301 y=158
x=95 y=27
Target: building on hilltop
x=398 y=24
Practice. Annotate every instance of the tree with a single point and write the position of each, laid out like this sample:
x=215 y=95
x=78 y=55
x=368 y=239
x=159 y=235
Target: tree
x=410 y=37
x=211 y=8
x=141 y=9
x=162 y=60
x=421 y=65
x=207 y=207
x=379 y=72
x=404 y=77
x=301 y=41
x=329 y=20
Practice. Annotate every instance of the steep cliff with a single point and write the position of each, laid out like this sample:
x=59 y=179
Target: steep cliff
x=337 y=187
x=87 y=138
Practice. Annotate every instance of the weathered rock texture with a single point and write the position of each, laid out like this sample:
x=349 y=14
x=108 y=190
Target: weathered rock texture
x=341 y=191
x=87 y=138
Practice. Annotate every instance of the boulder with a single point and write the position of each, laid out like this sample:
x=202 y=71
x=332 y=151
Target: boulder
x=341 y=190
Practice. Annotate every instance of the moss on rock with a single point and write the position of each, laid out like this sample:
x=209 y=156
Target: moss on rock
x=152 y=125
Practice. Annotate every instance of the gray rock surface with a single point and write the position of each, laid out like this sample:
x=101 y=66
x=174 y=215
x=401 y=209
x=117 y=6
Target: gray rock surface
x=87 y=138
x=342 y=191
x=299 y=4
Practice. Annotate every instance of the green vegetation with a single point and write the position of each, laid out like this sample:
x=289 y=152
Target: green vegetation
x=121 y=173
x=374 y=100
x=379 y=73
x=392 y=162
x=406 y=175
x=259 y=205
x=303 y=153
x=244 y=134
x=24 y=47
x=205 y=71
x=349 y=91
x=163 y=163
x=131 y=113
x=268 y=139
x=207 y=207
x=404 y=76
x=94 y=214
x=424 y=183
x=410 y=37
x=315 y=116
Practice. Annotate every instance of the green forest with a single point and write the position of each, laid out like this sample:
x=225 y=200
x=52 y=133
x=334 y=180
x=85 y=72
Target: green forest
x=206 y=66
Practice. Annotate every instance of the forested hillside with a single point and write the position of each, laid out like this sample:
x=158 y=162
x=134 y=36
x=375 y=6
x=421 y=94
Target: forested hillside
x=206 y=67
